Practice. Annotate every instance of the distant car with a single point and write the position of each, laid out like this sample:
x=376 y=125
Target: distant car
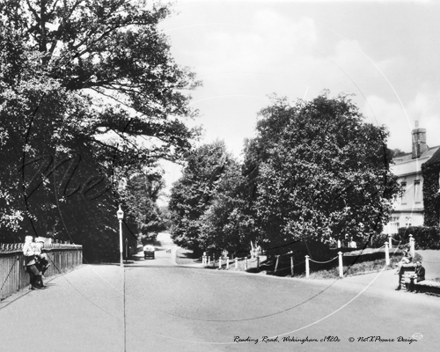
x=149 y=251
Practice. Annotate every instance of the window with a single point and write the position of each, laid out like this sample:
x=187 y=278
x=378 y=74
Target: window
x=418 y=196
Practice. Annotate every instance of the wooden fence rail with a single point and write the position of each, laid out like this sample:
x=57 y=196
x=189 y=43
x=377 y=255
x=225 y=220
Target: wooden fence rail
x=13 y=276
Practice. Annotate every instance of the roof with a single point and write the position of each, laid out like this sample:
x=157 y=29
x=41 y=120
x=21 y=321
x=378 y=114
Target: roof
x=435 y=158
x=408 y=156
x=405 y=164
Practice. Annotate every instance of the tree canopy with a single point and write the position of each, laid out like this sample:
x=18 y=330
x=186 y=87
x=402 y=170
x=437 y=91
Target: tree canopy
x=89 y=93
x=140 y=196
x=206 y=176
x=317 y=171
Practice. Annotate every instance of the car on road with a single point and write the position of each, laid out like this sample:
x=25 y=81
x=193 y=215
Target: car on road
x=149 y=251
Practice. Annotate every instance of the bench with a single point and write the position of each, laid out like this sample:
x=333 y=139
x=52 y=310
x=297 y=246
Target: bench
x=411 y=285
x=425 y=286
x=409 y=270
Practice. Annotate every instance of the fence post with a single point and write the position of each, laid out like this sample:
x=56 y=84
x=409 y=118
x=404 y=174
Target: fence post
x=258 y=261
x=387 y=254
x=209 y=260
x=291 y=264
x=219 y=262
x=307 y=267
x=245 y=264
x=213 y=260
x=204 y=258
x=412 y=245
x=341 y=265
x=276 y=263
x=339 y=243
x=390 y=240
x=227 y=262
x=236 y=263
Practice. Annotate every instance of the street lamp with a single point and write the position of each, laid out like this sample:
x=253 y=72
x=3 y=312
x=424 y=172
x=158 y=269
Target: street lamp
x=120 y=215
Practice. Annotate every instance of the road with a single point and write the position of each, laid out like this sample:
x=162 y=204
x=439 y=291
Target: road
x=154 y=305
x=185 y=309
x=164 y=255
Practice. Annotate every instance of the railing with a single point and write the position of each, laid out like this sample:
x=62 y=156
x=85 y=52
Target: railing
x=246 y=263
x=238 y=263
x=385 y=249
x=13 y=276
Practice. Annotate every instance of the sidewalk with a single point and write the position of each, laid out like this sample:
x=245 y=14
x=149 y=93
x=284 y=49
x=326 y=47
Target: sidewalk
x=79 y=311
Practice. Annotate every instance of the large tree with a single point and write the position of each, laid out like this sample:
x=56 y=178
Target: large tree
x=140 y=195
x=317 y=171
x=89 y=93
x=207 y=169
x=227 y=223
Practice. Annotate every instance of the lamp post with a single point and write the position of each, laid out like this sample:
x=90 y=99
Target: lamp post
x=120 y=215
x=126 y=251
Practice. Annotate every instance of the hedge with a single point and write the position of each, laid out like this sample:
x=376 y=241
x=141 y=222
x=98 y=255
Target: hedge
x=431 y=199
x=426 y=237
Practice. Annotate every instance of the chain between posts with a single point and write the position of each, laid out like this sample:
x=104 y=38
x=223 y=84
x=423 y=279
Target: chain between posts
x=328 y=261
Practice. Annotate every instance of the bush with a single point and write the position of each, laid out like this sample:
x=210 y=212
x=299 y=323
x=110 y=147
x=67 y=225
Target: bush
x=426 y=237
x=378 y=241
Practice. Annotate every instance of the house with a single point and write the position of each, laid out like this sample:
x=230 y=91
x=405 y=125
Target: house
x=408 y=210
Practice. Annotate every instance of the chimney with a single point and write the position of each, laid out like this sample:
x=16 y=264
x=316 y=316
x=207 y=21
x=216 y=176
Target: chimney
x=418 y=141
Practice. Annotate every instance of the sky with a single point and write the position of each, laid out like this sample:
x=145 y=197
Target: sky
x=386 y=53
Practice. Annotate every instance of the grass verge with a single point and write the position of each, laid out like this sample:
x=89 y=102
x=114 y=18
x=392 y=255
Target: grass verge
x=363 y=268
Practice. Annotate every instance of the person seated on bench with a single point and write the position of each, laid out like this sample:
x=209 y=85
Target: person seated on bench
x=419 y=274
x=406 y=261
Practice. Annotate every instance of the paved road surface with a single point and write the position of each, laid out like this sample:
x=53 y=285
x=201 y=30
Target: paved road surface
x=165 y=254
x=170 y=308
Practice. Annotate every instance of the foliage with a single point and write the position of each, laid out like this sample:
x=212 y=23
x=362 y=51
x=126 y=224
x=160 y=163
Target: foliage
x=395 y=153
x=82 y=83
x=166 y=217
x=431 y=195
x=426 y=237
x=316 y=171
x=196 y=212
x=227 y=223
x=140 y=196
x=378 y=240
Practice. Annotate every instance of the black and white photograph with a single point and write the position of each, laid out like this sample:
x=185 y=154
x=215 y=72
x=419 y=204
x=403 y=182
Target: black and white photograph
x=219 y=175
